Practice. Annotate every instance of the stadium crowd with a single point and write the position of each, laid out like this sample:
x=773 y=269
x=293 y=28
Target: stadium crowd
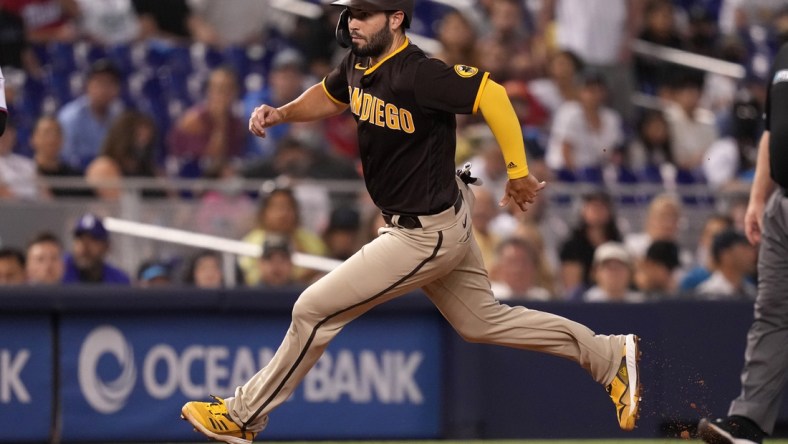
x=115 y=90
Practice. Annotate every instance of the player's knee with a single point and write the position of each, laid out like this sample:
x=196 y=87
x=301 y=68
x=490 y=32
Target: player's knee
x=306 y=307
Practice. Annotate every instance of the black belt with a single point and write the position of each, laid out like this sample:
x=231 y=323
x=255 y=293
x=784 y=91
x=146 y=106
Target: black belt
x=411 y=222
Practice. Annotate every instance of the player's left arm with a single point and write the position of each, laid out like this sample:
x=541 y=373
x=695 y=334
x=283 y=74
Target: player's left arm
x=499 y=114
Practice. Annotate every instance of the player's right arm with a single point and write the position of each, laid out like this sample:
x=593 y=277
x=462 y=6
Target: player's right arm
x=313 y=104
x=762 y=186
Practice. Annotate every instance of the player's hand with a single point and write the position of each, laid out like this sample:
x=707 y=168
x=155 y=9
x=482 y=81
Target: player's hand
x=522 y=191
x=264 y=116
x=753 y=222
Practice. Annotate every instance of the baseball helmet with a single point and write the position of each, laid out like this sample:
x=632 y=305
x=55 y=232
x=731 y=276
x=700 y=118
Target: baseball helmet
x=343 y=32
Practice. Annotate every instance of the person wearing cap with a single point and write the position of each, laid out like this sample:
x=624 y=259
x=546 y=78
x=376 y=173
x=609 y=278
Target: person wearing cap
x=86 y=120
x=734 y=265
x=154 y=274
x=753 y=414
x=276 y=263
x=613 y=270
x=86 y=264
x=405 y=105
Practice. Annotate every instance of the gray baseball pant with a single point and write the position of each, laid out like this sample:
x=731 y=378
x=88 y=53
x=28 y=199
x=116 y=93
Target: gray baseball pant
x=766 y=357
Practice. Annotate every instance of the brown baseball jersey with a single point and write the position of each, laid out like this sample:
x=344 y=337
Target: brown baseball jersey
x=405 y=107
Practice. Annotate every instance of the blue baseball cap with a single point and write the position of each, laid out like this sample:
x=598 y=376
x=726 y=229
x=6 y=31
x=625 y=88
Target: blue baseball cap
x=92 y=225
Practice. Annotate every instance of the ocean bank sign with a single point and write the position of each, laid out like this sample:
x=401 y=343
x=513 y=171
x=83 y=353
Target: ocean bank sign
x=127 y=379
x=26 y=390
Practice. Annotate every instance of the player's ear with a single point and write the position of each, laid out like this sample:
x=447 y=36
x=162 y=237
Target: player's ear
x=397 y=20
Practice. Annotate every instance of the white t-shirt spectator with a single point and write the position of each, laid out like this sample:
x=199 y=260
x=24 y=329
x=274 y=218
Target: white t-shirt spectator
x=237 y=21
x=109 y=22
x=593 y=29
x=18 y=173
x=691 y=136
x=591 y=148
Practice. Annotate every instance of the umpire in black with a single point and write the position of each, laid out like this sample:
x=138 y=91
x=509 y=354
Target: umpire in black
x=753 y=414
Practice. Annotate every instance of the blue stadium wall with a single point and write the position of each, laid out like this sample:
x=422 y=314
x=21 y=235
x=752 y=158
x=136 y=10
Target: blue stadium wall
x=112 y=364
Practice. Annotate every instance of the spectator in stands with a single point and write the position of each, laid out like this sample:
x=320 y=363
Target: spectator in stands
x=46 y=20
x=108 y=22
x=154 y=274
x=597 y=225
x=734 y=265
x=546 y=258
x=44 y=265
x=458 y=39
x=655 y=274
x=276 y=264
x=599 y=32
x=294 y=159
x=163 y=21
x=662 y=223
x=225 y=209
x=371 y=225
x=86 y=120
x=128 y=150
x=315 y=39
x=585 y=133
x=16 y=53
x=12 y=267
x=659 y=28
x=46 y=143
x=209 y=134
x=484 y=211
x=650 y=152
x=286 y=81
x=692 y=129
x=513 y=274
x=731 y=159
x=17 y=173
x=508 y=20
x=341 y=236
x=223 y=24
x=487 y=165
x=204 y=270
x=87 y=262
x=704 y=265
x=613 y=274
x=279 y=214
x=561 y=84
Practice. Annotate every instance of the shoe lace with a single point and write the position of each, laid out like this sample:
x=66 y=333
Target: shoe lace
x=216 y=400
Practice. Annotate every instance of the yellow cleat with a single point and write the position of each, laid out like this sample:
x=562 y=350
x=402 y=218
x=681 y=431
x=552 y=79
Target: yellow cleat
x=625 y=388
x=211 y=419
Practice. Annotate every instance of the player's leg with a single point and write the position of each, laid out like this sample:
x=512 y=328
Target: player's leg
x=466 y=301
x=395 y=263
x=766 y=357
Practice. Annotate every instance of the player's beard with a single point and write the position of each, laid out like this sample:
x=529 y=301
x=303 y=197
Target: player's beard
x=377 y=43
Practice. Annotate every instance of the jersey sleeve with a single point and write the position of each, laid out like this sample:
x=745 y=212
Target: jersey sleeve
x=456 y=89
x=335 y=83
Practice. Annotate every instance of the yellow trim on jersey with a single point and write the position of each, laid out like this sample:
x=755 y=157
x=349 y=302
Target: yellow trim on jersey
x=499 y=114
x=372 y=69
x=479 y=93
x=333 y=99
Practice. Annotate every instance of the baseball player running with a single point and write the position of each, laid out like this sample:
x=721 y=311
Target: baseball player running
x=405 y=105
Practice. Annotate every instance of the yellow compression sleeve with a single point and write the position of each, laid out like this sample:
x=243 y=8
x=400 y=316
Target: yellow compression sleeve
x=499 y=114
